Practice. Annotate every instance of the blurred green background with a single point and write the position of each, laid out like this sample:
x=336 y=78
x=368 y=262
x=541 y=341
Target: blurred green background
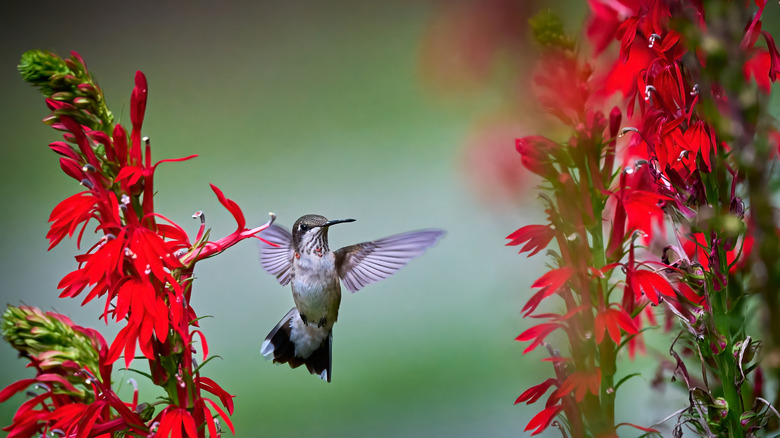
x=302 y=107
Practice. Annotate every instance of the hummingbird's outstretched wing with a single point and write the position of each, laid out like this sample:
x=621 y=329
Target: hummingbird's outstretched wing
x=369 y=262
x=277 y=260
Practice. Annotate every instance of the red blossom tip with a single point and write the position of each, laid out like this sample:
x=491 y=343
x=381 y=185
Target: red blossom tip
x=537 y=236
x=231 y=206
x=138 y=101
x=542 y=420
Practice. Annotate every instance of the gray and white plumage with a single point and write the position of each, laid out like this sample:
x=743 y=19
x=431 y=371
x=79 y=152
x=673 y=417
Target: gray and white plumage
x=303 y=259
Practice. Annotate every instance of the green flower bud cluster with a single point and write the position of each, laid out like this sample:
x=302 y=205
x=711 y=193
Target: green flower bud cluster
x=50 y=339
x=67 y=81
x=548 y=31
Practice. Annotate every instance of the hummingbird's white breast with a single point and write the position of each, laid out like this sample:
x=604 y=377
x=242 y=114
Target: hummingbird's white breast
x=315 y=286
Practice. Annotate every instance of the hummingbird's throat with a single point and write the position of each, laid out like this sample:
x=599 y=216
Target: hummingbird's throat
x=317 y=245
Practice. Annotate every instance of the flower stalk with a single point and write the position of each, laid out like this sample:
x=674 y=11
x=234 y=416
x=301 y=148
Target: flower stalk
x=142 y=266
x=680 y=233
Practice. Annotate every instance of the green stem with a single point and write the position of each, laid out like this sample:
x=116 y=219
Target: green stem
x=727 y=369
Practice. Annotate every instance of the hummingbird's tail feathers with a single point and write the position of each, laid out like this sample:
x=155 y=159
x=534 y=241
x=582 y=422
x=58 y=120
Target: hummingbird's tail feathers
x=319 y=363
x=277 y=345
x=295 y=343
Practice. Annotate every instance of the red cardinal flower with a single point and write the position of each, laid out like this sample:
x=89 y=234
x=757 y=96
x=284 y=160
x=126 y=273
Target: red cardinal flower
x=537 y=236
x=142 y=265
x=534 y=393
x=548 y=284
x=651 y=284
x=72 y=371
x=538 y=154
x=542 y=420
x=612 y=320
x=581 y=382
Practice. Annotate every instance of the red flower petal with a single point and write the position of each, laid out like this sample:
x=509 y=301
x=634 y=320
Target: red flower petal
x=645 y=429
x=13 y=388
x=537 y=236
x=537 y=333
x=221 y=414
x=138 y=101
x=534 y=393
x=231 y=206
x=549 y=283
x=542 y=420
x=651 y=283
x=211 y=386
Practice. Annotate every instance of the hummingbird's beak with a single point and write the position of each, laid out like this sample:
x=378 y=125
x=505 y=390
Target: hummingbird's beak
x=337 y=221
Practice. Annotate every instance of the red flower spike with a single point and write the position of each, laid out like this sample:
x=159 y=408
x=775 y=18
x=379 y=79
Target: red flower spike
x=537 y=236
x=132 y=267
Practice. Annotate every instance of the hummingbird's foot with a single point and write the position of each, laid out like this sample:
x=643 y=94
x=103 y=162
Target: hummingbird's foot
x=322 y=322
x=303 y=318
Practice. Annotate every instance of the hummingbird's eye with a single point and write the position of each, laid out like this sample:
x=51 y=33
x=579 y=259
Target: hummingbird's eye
x=303 y=227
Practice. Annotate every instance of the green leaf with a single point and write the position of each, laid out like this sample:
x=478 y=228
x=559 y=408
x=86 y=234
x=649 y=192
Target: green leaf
x=205 y=362
x=147 y=375
x=620 y=382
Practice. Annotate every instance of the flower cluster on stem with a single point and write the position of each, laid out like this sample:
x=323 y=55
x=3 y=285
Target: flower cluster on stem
x=141 y=266
x=669 y=228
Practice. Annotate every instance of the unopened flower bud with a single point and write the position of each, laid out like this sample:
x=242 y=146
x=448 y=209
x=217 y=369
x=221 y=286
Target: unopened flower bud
x=537 y=153
x=51 y=119
x=87 y=89
x=718 y=344
x=63 y=96
x=145 y=411
x=737 y=207
x=82 y=102
x=49 y=337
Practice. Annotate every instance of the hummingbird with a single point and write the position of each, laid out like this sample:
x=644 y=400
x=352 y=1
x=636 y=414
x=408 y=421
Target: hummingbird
x=303 y=259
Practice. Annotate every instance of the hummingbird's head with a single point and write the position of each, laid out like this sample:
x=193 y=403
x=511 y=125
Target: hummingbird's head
x=311 y=232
